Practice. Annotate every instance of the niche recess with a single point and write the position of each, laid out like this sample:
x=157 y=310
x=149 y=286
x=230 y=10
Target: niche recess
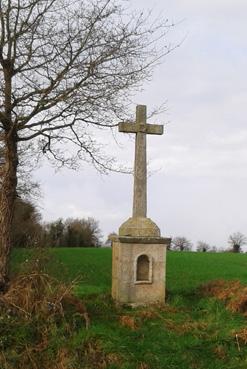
x=143 y=269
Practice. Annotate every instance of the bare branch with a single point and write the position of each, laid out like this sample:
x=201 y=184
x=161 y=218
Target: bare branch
x=66 y=69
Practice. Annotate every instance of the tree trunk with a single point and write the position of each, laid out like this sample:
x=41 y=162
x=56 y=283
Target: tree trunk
x=236 y=248
x=7 y=200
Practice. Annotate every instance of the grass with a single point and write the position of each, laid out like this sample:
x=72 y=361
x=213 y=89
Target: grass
x=191 y=331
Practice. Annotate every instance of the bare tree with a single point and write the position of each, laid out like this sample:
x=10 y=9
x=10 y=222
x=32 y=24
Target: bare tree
x=202 y=246
x=66 y=68
x=110 y=238
x=213 y=249
x=181 y=244
x=27 y=188
x=236 y=240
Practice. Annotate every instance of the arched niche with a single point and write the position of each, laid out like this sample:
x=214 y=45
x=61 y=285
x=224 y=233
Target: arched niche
x=143 y=269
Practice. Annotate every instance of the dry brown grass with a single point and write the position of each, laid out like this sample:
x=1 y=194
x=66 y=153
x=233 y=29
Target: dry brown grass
x=128 y=322
x=3 y=361
x=155 y=312
x=39 y=294
x=222 y=290
x=184 y=327
x=147 y=314
x=220 y=352
x=63 y=359
x=242 y=336
x=43 y=304
x=232 y=293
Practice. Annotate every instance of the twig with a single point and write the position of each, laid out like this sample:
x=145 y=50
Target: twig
x=15 y=306
x=68 y=289
x=236 y=336
x=31 y=359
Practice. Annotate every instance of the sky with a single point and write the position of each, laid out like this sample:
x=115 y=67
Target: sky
x=198 y=168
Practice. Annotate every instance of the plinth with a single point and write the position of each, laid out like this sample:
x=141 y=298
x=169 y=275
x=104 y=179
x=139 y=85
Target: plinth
x=139 y=263
x=138 y=269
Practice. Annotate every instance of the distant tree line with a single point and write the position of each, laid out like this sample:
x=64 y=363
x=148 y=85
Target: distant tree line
x=28 y=231
x=236 y=241
x=72 y=233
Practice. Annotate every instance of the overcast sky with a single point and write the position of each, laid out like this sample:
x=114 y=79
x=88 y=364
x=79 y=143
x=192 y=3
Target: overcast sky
x=198 y=181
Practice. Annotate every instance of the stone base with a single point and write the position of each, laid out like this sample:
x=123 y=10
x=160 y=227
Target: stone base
x=138 y=270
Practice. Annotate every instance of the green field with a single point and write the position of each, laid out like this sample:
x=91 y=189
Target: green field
x=190 y=331
x=185 y=271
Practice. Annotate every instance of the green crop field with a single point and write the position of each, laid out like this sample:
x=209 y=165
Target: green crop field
x=185 y=271
x=191 y=331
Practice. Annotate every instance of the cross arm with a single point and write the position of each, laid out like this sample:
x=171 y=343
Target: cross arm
x=152 y=129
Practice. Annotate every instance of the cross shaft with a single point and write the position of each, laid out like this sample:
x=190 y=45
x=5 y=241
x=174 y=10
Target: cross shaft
x=141 y=128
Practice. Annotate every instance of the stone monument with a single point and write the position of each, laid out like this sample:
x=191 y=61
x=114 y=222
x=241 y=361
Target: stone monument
x=139 y=252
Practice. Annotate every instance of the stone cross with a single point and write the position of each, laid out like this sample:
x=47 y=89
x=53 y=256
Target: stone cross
x=141 y=128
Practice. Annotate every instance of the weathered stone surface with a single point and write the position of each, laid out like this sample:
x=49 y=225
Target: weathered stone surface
x=143 y=240
x=139 y=227
x=151 y=129
x=125 y=286
x=141 y=128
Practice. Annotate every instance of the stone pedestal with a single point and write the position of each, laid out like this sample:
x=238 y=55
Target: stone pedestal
x=138 y=269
